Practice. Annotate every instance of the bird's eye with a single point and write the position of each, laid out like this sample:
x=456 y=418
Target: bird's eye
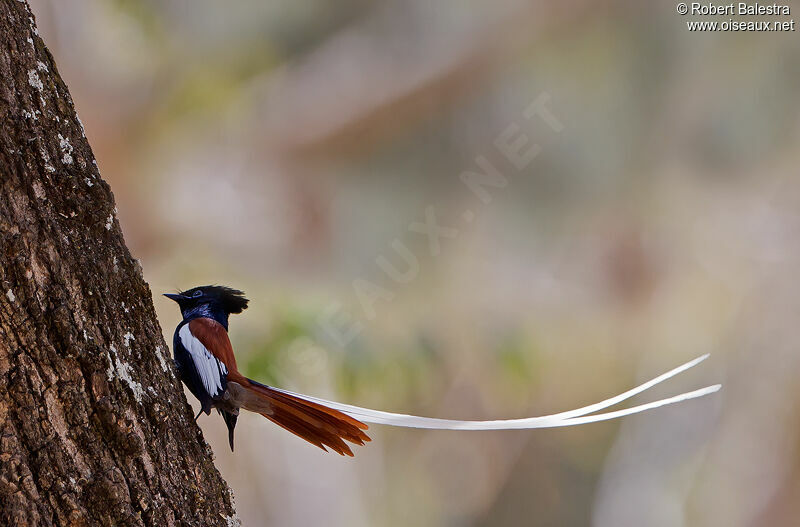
x=198 y=293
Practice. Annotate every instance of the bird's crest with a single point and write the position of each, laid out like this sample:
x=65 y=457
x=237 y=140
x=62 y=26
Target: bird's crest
x=232 y=300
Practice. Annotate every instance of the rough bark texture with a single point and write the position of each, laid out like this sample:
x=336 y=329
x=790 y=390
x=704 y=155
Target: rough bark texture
x=94 y=426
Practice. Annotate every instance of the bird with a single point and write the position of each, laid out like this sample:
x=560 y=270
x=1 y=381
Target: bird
x=205 y=363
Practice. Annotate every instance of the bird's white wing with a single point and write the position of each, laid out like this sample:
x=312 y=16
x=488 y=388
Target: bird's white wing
x=209 y=368
x=568 y=418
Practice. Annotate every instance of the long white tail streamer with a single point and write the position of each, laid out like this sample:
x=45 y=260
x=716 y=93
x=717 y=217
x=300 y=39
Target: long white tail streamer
x=569 y=418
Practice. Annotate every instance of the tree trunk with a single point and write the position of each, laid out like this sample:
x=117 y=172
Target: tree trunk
x=94 y=427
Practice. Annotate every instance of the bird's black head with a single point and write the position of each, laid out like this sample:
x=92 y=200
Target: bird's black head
x=214 y=301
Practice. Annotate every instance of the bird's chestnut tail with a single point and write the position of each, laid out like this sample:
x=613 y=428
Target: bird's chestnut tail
x=318 y=424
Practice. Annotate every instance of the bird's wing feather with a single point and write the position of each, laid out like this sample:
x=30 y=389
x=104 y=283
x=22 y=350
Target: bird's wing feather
x=213 y=336
x=568 y=418
x=211 y=371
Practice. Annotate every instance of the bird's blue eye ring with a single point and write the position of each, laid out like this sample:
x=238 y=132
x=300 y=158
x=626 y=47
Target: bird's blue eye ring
x=197 y=293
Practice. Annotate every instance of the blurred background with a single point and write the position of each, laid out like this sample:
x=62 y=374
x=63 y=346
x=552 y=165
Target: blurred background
x=292 y=149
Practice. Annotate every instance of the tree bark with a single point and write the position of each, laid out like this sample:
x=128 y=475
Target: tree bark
x=94 y=426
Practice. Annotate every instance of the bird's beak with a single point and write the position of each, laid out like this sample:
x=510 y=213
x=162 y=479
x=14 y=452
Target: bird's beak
x=173 y=296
